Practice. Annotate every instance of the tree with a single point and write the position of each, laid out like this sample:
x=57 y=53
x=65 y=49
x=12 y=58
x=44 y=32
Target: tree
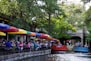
x=50 y=7
x=19 y=11
x=47 y=15
x=74 y=14
x=88 y=24
x=85 y=1
x=60 y=27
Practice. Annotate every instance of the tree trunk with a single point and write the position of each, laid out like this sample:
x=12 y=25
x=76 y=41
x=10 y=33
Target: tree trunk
x=84 y=36
x=49 y=24
x=89 y=46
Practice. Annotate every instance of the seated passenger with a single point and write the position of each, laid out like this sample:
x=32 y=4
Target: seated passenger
x=17 y=45
x=28 y=44
x=78 y=44
x=8 y=45
x=86 y=45
x=21 y=45
x=59 y=44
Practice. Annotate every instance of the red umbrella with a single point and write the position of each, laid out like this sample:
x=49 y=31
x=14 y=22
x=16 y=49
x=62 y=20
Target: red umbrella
x=49 y=38
x=11 y=29
x=44 y=36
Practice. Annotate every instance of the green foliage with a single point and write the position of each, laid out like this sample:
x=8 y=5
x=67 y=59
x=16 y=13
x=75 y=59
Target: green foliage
x=60 y=27
x=74 y=14
x=88 y=23
x=85 y=1
x=22 y=11
x=7 y=7
x=88 y=16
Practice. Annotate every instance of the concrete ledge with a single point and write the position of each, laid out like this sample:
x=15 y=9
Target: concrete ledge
x=17 y=56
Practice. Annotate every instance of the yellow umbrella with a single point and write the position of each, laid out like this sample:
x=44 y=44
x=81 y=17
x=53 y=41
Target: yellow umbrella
x=2 y=34
x=21 y=31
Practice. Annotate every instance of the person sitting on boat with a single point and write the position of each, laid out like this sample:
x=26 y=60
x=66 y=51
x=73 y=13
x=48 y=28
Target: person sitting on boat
x=86 y=45
x=59 y=44
x=78 y=43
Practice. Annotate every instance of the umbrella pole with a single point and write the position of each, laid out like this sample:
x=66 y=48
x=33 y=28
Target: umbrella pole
x=6 y=36
x=26 y=38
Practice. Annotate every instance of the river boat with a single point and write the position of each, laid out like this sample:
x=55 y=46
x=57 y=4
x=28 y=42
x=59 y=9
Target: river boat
x=59 y=49
x=80 y=49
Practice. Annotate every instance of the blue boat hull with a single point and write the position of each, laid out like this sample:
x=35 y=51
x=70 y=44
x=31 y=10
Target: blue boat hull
x=81 y=49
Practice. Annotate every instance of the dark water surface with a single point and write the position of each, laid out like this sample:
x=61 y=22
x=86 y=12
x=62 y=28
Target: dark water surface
x=61 y=57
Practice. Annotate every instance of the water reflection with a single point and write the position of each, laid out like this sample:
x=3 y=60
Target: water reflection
x=71 y=57
x=61 y=57
x=56 y=57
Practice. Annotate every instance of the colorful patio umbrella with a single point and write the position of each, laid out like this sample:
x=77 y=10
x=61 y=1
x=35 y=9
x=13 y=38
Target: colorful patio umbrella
x=32 y=34
x=49 y=38
x=27 y=33
x=44 y=36
x=2 y=34
x=4 y=26
x=11 y=29
x=38 y=34
x=21 y=31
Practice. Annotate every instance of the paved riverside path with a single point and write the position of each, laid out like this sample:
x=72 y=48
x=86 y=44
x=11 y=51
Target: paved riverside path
x=17 y=56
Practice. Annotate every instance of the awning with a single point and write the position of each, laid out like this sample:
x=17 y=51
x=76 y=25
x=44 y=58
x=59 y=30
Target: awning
x=21 y=31
x=2 y=34
x=4 y=26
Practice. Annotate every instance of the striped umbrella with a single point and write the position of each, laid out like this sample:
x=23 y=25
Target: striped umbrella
x=44 y=36
x=32 y=34
x=2 y=34
x=27 y=33
x=4 y=26
x=11 y=29
x=49 y=38
x=21 y=31
x=38 y=34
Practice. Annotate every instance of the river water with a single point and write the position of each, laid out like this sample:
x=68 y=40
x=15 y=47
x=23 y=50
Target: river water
x=61 y=57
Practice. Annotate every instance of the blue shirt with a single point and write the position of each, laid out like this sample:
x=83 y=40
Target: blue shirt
x=35 y=45
x=8 y=44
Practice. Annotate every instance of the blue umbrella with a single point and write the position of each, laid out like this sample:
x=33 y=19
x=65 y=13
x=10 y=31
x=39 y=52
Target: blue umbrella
x=4 y=26
x=38 y=34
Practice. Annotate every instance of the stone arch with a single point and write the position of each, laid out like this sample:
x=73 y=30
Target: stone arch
x=76 y=38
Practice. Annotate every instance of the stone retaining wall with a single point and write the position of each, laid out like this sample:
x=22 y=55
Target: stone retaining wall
x=17 y=56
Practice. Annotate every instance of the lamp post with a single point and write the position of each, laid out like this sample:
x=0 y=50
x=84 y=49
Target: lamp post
x=84 y=35
x=49 y=23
